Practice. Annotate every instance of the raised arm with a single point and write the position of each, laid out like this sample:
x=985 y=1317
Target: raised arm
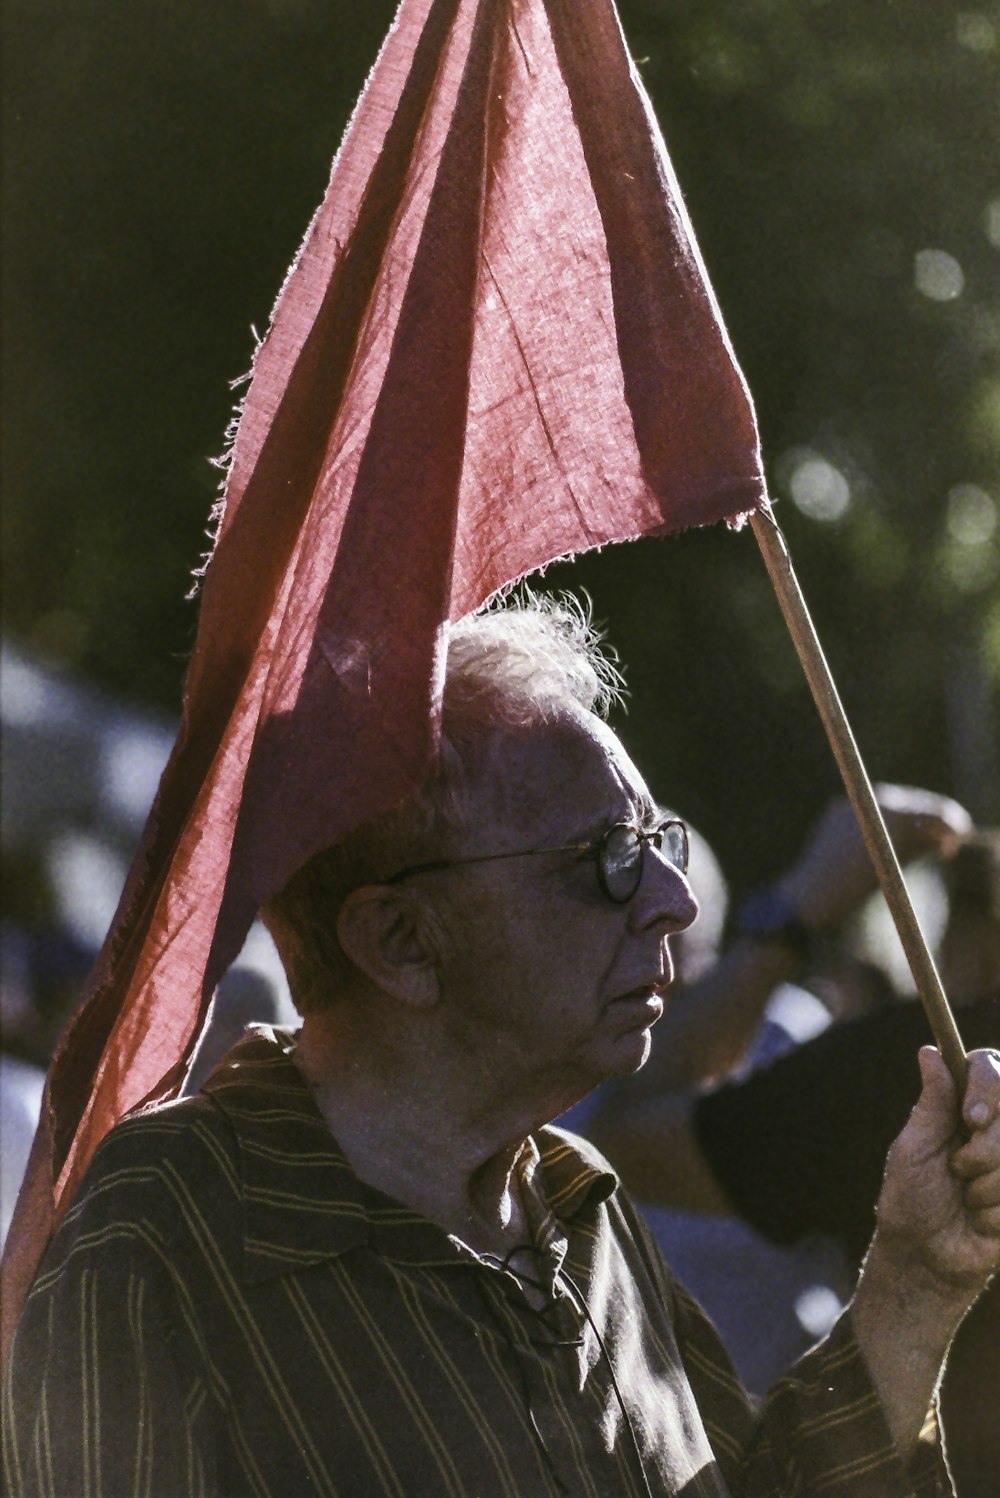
x=710 y=1022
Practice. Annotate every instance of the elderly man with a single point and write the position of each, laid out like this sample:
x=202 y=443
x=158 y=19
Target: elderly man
x=359 y=1262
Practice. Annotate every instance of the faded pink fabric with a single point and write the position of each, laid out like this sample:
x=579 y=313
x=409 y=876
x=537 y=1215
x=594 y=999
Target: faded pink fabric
x=497 y=345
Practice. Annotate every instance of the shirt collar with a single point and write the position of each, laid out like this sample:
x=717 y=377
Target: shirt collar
x=302 y=1202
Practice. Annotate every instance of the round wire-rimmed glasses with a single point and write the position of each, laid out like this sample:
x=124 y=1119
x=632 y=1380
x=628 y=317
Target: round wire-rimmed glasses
x=619 y=853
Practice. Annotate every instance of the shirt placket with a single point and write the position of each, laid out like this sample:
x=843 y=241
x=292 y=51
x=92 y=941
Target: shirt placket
x=567 y=1386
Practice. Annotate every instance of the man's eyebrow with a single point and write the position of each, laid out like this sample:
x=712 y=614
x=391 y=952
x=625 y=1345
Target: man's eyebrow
x=642 y=810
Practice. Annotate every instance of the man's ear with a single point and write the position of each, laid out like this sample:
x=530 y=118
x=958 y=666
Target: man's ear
x=385 y=932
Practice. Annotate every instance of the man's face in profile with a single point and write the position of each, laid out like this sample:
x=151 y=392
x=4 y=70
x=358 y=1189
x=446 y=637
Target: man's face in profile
x=543 y=972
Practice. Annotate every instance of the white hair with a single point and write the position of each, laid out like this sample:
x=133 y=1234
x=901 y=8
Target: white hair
x=524 y=661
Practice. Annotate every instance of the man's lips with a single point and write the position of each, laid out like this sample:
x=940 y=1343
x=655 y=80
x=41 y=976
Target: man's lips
x=644 y=993
x=639 y=1008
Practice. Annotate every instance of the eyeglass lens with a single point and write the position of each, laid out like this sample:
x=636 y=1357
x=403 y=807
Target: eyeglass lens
x=621 y=856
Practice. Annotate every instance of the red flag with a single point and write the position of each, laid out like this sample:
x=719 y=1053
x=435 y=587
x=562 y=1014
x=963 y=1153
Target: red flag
x=496 y=346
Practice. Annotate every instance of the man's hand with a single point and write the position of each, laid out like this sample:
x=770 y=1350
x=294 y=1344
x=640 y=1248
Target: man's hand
x=937 y=1240
x=939 y=1210
x=834 y=871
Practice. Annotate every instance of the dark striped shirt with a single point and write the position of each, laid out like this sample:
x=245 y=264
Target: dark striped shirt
x=227 y=1310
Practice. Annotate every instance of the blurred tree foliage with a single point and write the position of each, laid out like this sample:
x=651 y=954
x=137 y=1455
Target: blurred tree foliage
x=839 y=162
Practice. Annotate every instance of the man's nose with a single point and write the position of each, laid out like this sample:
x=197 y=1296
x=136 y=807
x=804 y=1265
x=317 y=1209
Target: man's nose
x=664 y=897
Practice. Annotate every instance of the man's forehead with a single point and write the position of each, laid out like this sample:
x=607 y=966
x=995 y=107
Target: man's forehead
x=574 y=765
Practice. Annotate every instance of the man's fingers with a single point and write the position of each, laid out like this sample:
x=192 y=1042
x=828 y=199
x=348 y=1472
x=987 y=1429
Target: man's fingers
x=976 y=1163
x=986 y=1222
x=981 y=1105
x=979 y=1154
x=983 y=1193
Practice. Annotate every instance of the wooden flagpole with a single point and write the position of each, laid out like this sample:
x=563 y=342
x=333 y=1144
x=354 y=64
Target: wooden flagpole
x=793 y=605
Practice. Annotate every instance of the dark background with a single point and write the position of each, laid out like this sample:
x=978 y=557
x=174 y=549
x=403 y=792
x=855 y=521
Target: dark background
x=841 y=162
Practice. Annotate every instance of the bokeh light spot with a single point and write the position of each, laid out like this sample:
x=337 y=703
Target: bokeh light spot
x=819 y=489
x=938 y=275
x=87 y=878
x=817 y=1308
x=972 y=515
x=132 y=759
x=975 y=32
x=873 y=934
x=23 y=694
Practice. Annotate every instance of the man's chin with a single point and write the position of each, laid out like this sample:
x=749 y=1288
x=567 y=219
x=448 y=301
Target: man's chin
x=631 y=1050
